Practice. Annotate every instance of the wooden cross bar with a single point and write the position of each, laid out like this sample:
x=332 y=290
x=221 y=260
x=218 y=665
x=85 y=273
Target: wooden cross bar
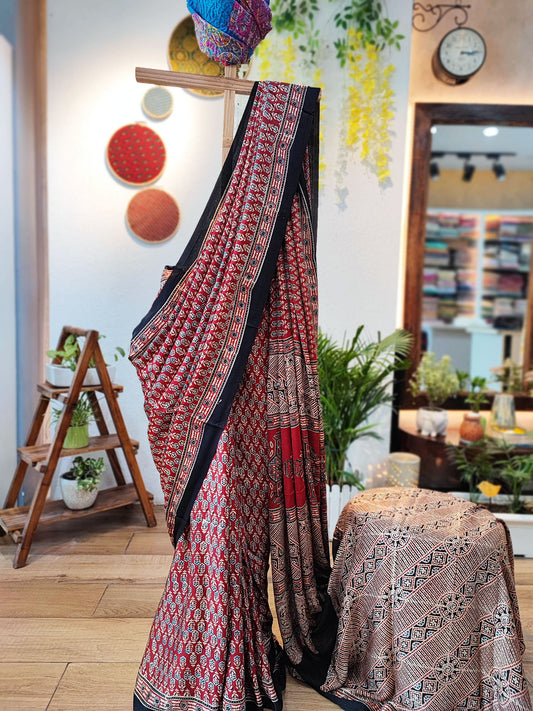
x=229 y=84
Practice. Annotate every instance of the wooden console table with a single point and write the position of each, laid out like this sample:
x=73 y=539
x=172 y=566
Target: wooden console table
x=436 y=469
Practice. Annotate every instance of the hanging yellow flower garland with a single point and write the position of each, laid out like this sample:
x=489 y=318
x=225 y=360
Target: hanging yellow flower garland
x=370 y=104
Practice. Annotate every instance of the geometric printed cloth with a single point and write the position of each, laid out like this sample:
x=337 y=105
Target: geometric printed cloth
x=423 y=585
x=227 y=359
x=230 y=30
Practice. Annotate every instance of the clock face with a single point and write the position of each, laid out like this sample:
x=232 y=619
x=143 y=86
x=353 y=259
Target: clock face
x=462 y=52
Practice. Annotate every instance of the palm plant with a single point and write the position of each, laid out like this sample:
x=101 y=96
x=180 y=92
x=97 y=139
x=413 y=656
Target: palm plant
x=355 y=380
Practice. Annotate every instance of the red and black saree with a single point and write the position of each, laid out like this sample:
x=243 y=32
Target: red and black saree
x=227 y=362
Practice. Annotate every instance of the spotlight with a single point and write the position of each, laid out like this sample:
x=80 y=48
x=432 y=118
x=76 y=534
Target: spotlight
x=434 y=171
x=499 y=171
x=468 y=172
x=491 y=131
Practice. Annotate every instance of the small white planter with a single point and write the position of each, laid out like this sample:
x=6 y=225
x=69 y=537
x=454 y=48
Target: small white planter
x=337 y=498
x=61 y=377
x=520 y=525
x=521 y=529
x=75 y=498
x=431 y=422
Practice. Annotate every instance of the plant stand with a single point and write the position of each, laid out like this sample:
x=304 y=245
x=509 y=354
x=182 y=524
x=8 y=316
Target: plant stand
x=21 y=522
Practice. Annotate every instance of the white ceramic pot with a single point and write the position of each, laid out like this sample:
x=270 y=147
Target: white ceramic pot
x=431 y=421
x=503 y=411
x=75 y=498
x=61 y=377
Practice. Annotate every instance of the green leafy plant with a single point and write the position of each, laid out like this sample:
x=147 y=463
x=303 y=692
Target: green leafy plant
x=509 y=375
x=477 y=395
x=367 y=18
x=354 y=381
x=69 y=354
x=437 y=380
x=87 y=472
x=475 y=462
x=493 y=460
x=463 y=377
x=81 y=415
x=71 y=351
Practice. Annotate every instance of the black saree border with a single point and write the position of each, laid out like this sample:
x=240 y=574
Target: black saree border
x=304 y=138
x=194 y=245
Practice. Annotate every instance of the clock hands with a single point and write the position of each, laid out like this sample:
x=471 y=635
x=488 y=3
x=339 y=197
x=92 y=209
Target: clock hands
x=469 y=51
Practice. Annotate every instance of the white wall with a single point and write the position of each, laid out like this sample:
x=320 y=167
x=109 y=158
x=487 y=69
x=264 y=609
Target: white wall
x=100 y=276
x=8 y=383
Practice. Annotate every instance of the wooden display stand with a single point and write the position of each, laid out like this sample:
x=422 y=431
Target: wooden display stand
x=21 y=522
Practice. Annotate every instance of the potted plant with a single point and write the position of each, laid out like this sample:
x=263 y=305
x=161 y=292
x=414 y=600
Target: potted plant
x=355 y=380
x=509 y=375
x=472 y=429
x=78 y=431
x=492 y=465
x=79 y=486
x=437 y=381
x=61 y=374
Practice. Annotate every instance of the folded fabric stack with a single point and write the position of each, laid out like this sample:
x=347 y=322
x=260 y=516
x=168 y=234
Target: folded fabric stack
x=491 y=256
x=432 y=225
x=517 y=227
x=503 y=306
x=465 y=256
x=468 y=227
x=430 y=308
x=431 y=280
x=492 y=227
x=490 y=282
x=449 y=220
x=466 y=280
x=446 y=281
x=509 y=255
x=436 y=254
x=465 y=304
x=511 y=284
x=525 y=255
x=487 y=309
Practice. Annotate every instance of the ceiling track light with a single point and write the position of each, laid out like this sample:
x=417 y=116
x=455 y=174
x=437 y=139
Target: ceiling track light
x=468 y=171
x=434 y=170
x=499 y=171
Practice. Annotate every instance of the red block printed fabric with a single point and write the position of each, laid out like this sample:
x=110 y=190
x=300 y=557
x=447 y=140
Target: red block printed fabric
x=227 y=362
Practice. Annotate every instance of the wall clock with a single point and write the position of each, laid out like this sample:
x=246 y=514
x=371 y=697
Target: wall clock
x=460 y=54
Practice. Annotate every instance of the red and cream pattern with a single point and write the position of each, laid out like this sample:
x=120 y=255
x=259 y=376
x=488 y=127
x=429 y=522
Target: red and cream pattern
x=211 y=646
x=211 y=638
x=136 y=154
x=428 y=616
x=153 y=215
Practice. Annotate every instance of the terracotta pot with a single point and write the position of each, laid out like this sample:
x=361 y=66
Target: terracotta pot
x=471 y=429
x=432 y=421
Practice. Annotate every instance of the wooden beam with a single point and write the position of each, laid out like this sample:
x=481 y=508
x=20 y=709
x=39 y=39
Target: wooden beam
x=164 y=77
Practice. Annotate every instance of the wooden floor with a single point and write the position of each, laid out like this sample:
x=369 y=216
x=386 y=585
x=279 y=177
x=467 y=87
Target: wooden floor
x=77 y=617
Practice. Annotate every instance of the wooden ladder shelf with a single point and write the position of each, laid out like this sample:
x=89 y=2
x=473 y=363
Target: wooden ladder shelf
x=21 y=522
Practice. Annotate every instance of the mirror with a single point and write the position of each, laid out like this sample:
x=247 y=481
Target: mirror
x=475 y=321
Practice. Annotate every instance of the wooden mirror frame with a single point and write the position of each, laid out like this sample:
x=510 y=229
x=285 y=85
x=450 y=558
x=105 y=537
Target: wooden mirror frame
x=426 y=116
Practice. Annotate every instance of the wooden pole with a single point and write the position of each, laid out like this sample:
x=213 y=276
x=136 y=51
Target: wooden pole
x=229 y=113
